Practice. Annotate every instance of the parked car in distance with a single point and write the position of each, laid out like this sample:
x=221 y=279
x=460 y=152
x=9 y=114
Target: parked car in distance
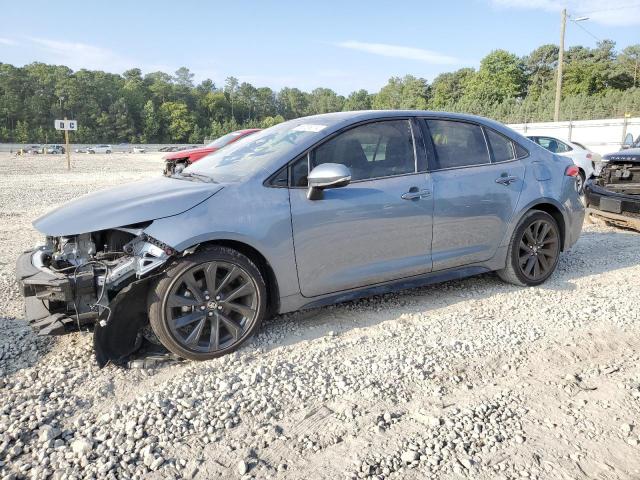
x=55 y=149
x=139 y=150
x=374 y=201
x=615 y=194
x=100 y=149
x=33 y=149
x=584 y=158
x=178 y=161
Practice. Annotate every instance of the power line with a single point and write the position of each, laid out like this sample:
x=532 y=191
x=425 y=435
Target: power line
x=583 y=28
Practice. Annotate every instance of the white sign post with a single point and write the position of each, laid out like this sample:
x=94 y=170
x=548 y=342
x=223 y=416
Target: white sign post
x=66 y=125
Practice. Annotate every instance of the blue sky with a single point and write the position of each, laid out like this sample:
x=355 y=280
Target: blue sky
x=344 y=45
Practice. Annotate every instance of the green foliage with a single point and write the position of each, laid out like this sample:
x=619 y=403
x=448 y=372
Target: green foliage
x=403 y=93
x=501 y=76
x=178 y=120
x=359 y=100
x=448 y=88
x=159 y=107
x=22 y=132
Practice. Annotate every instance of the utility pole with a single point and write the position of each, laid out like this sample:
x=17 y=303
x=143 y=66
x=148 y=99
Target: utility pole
x=66 y=146
x=563 y=25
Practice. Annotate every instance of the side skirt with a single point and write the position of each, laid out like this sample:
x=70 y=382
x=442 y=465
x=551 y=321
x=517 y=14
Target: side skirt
x=401 y=284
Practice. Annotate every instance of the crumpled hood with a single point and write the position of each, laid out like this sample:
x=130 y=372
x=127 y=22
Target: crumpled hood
x=125 y=205
x=187 y=153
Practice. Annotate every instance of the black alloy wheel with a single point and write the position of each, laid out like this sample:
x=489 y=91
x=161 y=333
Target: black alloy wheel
x=534 y=250
x=539 y=248
x=209 y=304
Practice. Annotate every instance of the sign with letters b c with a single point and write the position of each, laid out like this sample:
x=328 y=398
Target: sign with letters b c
x=66 y=125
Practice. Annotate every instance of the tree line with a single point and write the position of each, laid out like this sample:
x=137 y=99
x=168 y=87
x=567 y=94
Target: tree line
x=157 y=107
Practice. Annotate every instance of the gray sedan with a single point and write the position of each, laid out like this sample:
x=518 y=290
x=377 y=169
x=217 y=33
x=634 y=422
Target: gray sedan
x=311 y=212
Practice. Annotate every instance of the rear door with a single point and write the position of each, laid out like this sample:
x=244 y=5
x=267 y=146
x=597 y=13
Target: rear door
x=377 y=228
x=477 y=181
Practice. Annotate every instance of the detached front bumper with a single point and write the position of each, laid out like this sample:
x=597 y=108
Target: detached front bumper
x=51 y=298
x=619 y=209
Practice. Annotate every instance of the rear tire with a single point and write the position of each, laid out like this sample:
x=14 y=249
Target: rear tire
x=208 y=304
x=580 y=181
x=534 y=250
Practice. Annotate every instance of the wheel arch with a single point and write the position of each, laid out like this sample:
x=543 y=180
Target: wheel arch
x=271 y=281
x=549 y=206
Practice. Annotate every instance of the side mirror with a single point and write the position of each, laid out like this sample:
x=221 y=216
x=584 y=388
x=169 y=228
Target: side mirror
x=327 y=175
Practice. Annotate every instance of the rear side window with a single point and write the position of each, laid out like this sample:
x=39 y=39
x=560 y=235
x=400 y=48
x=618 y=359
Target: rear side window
x=501 y=147
x=521 y=152
x=457 y=144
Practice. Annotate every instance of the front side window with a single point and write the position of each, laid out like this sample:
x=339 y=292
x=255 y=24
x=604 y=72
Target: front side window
x=457 y=144
x=374 y=150
x=501 y=147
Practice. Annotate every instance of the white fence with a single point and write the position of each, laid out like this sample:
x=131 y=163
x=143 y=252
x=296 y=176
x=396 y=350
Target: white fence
x=122 y=148
x=601 y=136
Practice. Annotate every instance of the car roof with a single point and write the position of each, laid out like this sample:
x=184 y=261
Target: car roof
x=339 y=119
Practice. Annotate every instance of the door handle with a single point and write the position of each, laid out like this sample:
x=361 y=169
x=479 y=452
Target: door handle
x=506 y=179
x=415 y=194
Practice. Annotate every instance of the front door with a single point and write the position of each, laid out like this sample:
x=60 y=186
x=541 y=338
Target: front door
x=376 y=229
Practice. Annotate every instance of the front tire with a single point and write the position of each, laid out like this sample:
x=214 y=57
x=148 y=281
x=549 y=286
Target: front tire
x=534 y=250
x=208 y=304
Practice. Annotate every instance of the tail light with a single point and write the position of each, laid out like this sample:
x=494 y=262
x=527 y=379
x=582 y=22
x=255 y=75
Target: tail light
x=572 y=171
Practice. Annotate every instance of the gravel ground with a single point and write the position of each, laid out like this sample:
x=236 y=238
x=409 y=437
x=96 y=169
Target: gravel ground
x=472 y=378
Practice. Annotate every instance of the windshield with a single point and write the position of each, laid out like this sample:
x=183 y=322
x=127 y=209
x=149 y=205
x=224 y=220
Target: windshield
x=254 y=152
x=223 y=140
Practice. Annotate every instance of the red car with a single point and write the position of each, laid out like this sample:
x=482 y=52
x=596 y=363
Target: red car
x=177 y=161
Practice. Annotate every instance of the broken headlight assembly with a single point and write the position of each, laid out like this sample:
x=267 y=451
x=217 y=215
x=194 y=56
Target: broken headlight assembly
x=71 y=281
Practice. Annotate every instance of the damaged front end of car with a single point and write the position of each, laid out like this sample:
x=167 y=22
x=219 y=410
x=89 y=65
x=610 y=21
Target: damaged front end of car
x=614 y=196
x=98 y=278
x=97 y=262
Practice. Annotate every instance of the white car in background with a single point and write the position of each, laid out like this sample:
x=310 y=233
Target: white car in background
x=100 y=149
x=584 y=158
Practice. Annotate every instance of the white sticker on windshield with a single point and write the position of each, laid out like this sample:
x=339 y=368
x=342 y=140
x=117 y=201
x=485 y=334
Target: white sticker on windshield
x=309 y=127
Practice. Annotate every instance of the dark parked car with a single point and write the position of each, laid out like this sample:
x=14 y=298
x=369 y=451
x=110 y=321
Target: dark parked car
x=310 y=212
x=614 y=195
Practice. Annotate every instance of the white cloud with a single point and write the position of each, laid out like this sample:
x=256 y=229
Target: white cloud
x=605 y=12
x=7 y=42
x=397 y=51
x=78 y=55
